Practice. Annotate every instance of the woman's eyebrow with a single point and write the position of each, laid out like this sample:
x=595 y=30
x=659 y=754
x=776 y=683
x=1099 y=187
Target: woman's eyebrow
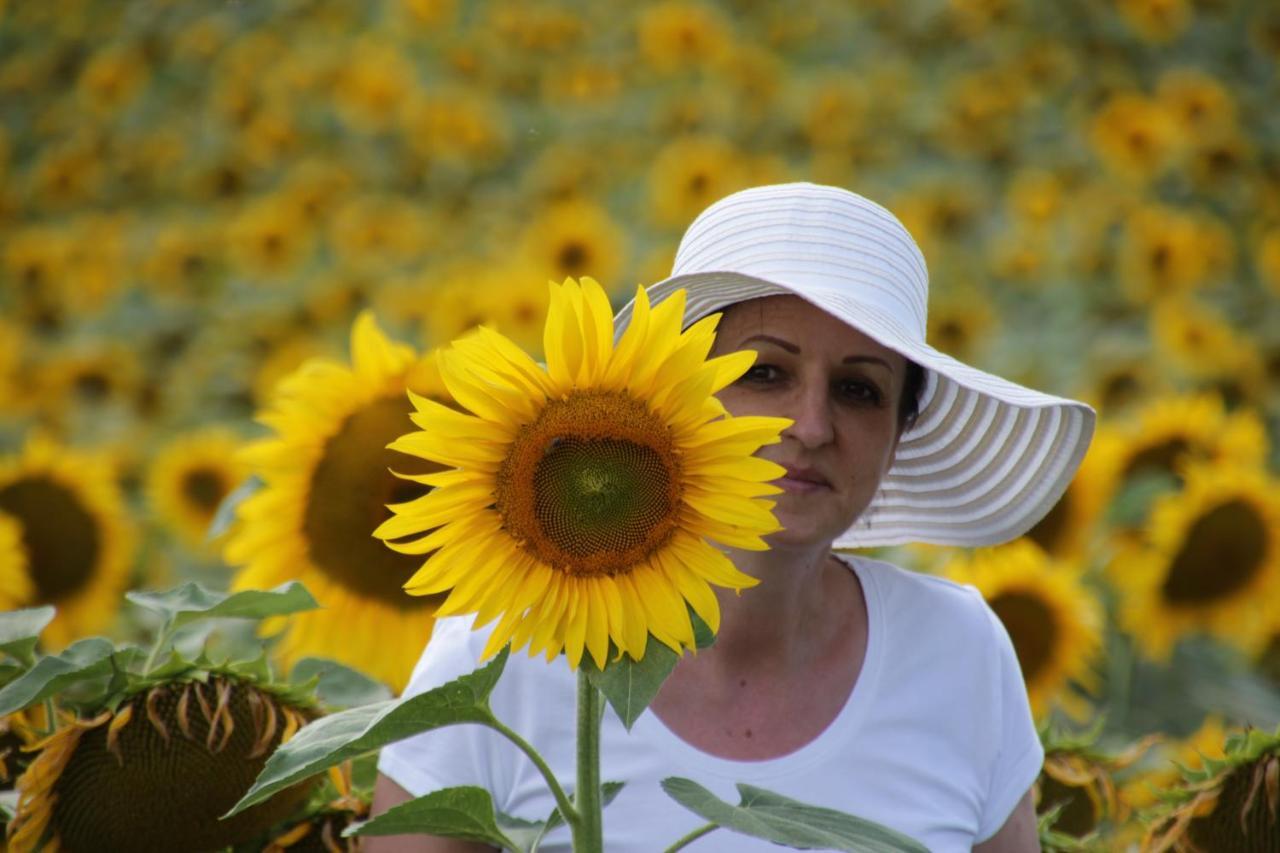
x=795 y=350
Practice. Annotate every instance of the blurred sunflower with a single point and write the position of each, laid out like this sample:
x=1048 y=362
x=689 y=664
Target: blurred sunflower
x=1199 y=342
x=1054 y=620
x=1198 y=101
x=1166 y=252
x=689 y=173
x=327 y=487
x=960 y=322
x=76 y=535
x=1079 y=779
x=378 y=233
x=268 y=238
x=1156 y=21
x=1067 y=531
x=180 y=258
x=111 y=79
x=585 y=493
x=373 y=85
x=571 y=238
x=1210 y=554
x=107 y=781
x=1035 y=196
x=676 y=36
x=188 y=479
x=461 y=126
x=1134 y=136
x=1231 y=803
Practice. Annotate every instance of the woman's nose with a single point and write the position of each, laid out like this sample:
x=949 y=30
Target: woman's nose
x=811 y=413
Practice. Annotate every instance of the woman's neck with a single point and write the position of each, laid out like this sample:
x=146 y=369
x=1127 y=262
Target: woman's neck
x=804 y=595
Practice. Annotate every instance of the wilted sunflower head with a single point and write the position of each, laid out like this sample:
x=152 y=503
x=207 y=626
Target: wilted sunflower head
x=1079 y=780
x=582 y=494
x=1232 y=803
x=76 y=540
x=158 y=771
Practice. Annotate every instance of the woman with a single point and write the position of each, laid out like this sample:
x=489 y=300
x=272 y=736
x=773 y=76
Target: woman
x=838 y=680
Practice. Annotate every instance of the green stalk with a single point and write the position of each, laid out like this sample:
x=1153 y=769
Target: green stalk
x=588 y=834
x=686 y=840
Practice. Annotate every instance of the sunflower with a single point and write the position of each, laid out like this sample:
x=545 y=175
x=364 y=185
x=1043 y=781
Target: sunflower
x=77 y=540
x=1212 y=553
x=188 y=480
x=327 y=486
x=1231 y=803
x=572 y=237
x=584 y=493
x=691 y=172
x=159 y=770
x=1134 y=136
x=1054 y=620
x=1188 y=753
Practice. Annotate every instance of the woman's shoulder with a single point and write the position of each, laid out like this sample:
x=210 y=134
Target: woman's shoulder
x=909 y=599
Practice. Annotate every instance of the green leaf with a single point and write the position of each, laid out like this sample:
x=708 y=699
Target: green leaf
x=338 y=686
x=20 y=630
x=333 y=739
x=773 y=817
x=466 y=812
x=630 y=685
x=92 y=657
x=192 y=602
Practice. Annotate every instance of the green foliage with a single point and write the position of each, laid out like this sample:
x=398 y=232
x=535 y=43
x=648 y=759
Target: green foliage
x=20 y=630
x=466 y=813
x=86 y=659
x=348 y=734
x=337 y=686
x=773 y=817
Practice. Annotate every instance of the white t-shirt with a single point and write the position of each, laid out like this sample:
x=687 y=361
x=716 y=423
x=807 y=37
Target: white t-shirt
x=936 y=739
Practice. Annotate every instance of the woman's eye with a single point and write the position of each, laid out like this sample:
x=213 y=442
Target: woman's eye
x=863 y=392
x=760 y=373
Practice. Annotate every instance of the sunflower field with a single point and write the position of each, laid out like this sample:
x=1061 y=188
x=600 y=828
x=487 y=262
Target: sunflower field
x=233 y=233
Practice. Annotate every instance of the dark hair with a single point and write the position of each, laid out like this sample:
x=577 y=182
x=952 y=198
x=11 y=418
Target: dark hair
x=909 y=403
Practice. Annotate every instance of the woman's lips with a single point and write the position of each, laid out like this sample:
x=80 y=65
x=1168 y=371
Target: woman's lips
x=803 y=481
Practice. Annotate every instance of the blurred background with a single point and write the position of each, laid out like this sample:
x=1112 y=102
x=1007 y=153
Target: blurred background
x=198 y=198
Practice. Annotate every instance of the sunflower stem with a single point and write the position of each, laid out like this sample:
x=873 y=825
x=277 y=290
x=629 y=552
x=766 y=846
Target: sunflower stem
x=686 y=840
x=567 y=810
x=588 y=834
x=165 y=635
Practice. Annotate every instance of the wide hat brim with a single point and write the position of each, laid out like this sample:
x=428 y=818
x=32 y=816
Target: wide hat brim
x=985 y=459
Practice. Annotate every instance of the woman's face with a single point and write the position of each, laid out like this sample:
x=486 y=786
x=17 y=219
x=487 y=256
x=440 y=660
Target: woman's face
x=839 y=386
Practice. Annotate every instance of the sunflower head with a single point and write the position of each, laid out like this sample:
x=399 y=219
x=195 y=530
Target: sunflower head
x=1232 y=803
x=157 y=771
x=188 y=480
x=328 y=480
x=1078 y=780
x=76 y=539
x=581 y=496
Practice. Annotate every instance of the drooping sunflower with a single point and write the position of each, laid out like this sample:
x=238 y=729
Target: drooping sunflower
x=1053 y=618
x=1231 y=803
x=188 y=480
x=1211 y=554
x=328 y=482
x=1079 y=780
x=584 y=494
x=157 y=771
x=77 y=539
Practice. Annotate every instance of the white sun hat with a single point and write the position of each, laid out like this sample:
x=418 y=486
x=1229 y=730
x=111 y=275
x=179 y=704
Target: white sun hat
x=986 y=458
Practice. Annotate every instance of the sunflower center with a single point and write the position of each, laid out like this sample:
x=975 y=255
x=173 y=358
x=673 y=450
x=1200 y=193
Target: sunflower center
x=1031 y=627
x=350 y=488
x=204 y=488
x=1222 y=552
x=592 y=487
x=572 y=257
x=60 y=536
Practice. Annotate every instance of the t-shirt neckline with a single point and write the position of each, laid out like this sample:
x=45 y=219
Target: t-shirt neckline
x=840 y=730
